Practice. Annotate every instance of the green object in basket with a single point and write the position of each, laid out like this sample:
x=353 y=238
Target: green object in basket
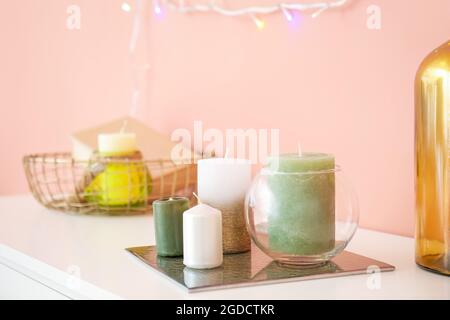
x=120 y=185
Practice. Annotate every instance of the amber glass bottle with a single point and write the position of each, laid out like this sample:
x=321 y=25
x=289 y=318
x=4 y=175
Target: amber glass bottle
x=432 y=151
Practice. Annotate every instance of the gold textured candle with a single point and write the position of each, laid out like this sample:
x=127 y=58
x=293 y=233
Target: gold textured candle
x=432 y=142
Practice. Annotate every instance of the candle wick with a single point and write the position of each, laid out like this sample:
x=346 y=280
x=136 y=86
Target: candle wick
x=124 y=126
x=300 y=153
x=196 y=197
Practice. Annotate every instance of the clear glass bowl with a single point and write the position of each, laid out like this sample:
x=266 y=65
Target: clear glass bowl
x=301 y=218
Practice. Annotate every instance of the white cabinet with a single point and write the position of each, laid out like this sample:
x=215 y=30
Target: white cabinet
x=14 y=285
x=39 y=248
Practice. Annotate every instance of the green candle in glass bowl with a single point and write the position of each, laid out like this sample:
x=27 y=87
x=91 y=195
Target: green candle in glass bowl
x=168 y=219
x=301 y=220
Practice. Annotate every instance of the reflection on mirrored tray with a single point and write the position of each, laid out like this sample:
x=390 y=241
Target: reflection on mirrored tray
x=251 y=268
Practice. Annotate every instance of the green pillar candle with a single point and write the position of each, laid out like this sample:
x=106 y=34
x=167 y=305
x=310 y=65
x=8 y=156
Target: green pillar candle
x=302 y=215
x=168 y=219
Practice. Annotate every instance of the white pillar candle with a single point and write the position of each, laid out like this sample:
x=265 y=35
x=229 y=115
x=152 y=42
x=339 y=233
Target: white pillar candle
x=222 y=184
x=202 y=237
x=120 y=142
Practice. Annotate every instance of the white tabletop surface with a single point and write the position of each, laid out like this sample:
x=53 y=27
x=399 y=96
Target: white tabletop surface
x=84 y=257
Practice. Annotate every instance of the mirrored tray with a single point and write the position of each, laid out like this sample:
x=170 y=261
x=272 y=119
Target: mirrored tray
x=253 y=268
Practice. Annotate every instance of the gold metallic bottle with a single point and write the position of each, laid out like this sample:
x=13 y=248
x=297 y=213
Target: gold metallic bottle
x=432 y=151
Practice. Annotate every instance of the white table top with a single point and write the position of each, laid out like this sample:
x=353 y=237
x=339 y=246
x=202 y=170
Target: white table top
x=53 y=247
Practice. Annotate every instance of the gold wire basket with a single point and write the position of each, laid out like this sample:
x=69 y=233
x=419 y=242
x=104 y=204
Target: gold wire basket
x=60 y=182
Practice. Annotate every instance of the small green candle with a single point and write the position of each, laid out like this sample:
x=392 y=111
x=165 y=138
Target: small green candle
x=302 y=217
x=168 y=219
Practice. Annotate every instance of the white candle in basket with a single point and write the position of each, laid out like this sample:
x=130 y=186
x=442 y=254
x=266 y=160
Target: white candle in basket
x=202 y=237
x=117 y=143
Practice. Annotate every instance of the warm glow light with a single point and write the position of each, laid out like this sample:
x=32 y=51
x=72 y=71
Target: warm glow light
x=260 y=24
x=126 y=7
x=318 y=12
x=157 y=8
x=289 y=17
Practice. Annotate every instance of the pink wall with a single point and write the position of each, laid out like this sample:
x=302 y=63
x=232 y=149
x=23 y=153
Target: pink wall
x=330 y=83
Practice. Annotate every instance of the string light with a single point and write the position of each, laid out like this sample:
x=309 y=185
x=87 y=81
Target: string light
x=289 y=17
x=255 y=12
x=251 y=11
x=260 y=24
x=126 y=7
x=157 y=7
x=318 y=12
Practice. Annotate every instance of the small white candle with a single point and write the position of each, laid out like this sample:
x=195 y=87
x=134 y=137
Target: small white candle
x=202 y=237
x=223 y=184
x=119 y=142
